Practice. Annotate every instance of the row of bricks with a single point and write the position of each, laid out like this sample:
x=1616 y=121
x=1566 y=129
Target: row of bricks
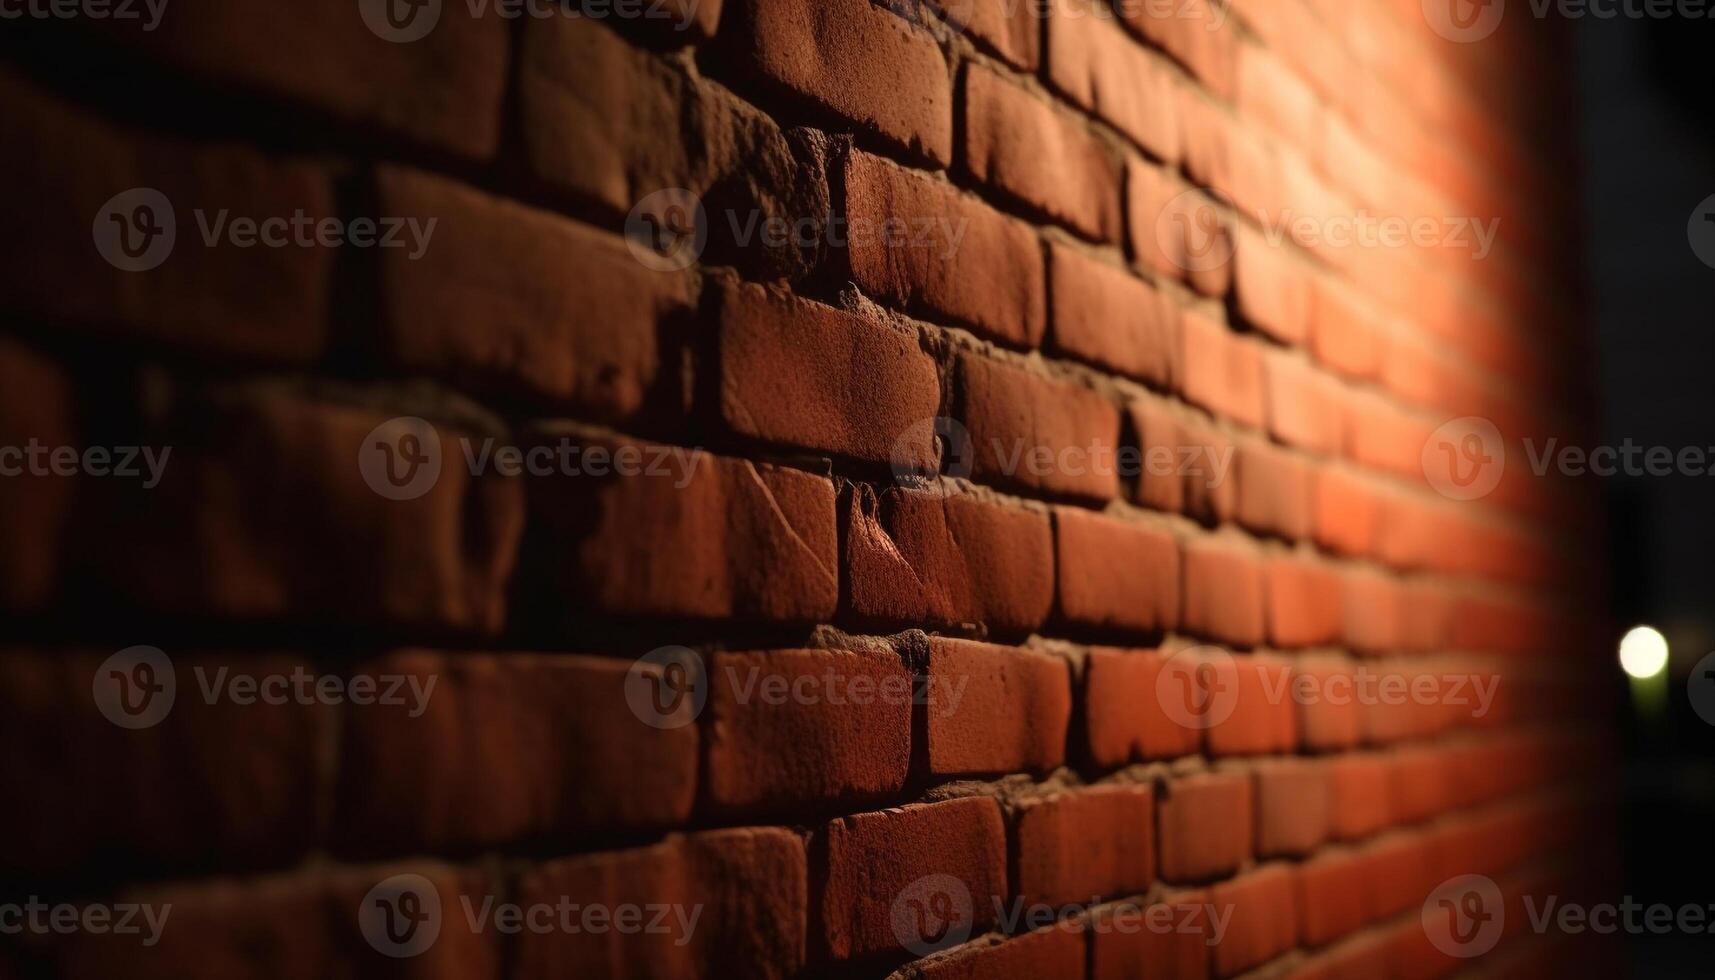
x=475 y=751
x=1108 y=318
x=558 y=49
x=768 y=902
x=693 y=536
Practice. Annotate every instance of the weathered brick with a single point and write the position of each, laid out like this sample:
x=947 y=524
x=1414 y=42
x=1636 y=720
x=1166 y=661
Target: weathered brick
x=1292 y=807
x=1357 y=790
x=243 y=777
x=685 y=533
x=1085 y=843
x=1262 y=717
x=1169 y=939
x=749 y=888
x=1112 y=319
x=1223 y=590
x=813 y=377
x=1343 y=331
x=947 y=558
x=804 y=728
x=265 y=483
x=442 y=89
x=1049 y=951
x=1303 y=600
x=949 y=255
x=994 y=709
x=873 y=858
x=873 y=69
x=1348 y=512
x=1123 y=715
x=1220 y=371
x=206 y=297
x=1091 y=60
x=1115 y=575
x=1274 y=488
x=1271 y=287
x=1305 y=408
x=1331 y=901
x=505 y=298
x=1198 y=33
x=1205 y=823
x=1013 y=31
x=505 y=748
x=1332 y=719
x=1041 y=158
x=1372 y=605
x=1035 y=432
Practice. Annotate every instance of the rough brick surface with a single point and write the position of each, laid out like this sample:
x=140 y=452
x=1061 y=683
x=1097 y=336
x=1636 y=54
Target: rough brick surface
x=1115 y=575
x=813 y=377
x=1123 y=712
x=909 y=229
x=1223 y=591
x=1093 y=62
x=1111 y=319
x=992 y=709
x=1206 y=825
x=1086 y=843
x=1037 y=433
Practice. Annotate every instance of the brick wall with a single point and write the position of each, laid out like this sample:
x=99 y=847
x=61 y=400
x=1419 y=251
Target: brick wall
x=1000 y=502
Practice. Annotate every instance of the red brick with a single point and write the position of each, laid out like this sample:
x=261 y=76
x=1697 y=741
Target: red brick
x=1358 y=791
x=1123 y=715
x=270 y=305
x=507 y=299
x=1096 y=66
x=751 y=885
x=1344 y=332
x=1329 y=716
x=1038 y=157
x=300 y=924
x=1168 y=940
x=957 y=259
x=1211 y=492
x=817 y=378
x=1358 y=958
x=1348 y=512
x=1398 y=875
x=1292 y=807
x=1271 y=93
x=1035 y=432
x=1198 y=33
x=243 y=778
x=442 y=90
x=1177 y=231
x=875 y=70
x=994 y=709
x=1262 y=717
x=1111 y=319
x=1373 y=605
x=1012 y=31
x=36 y=397
x=503 y=749
x=1220 y=371
x=265 y=485
x=1205 y=823
x=1304 y=405
x=1420 y=784
x=1223 y=590
x=872 y=858
x=689 y=535
x=1053 y=951
x=1304 y=601
x=1086 y=843
x=1331 y=901
x=805 y=728
x=1273 y=489
x=1115 y=575
x=948 y=558
x=1271 y=287
x=1161 y=479
x=1263 y=905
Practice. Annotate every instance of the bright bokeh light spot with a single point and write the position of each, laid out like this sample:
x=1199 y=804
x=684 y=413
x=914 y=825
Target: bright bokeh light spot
x=1643 y=652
